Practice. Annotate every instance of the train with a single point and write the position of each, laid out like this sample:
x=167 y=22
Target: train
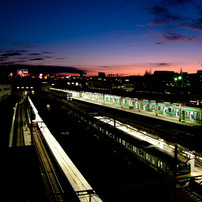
x=153 y=156
x=150 y=154
x=177 y=110
x=62 y=94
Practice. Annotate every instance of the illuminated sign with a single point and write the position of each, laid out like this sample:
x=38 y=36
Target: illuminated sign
x=22 y=72
x=40 y=76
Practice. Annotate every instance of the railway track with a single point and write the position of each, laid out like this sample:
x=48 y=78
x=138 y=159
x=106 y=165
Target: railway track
x=57 y=192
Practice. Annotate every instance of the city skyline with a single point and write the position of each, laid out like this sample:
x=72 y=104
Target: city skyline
x=125 y=37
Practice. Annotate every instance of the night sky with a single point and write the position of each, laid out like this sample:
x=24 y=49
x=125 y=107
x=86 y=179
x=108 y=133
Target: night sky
x=125 y=37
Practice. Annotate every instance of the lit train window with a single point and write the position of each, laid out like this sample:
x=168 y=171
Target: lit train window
x=148 y=157
x=160 y=164
x=134 y=149
x=119 y=140
x=153 y=160
x=123 y=142
x=107 y=133
x=110 y=134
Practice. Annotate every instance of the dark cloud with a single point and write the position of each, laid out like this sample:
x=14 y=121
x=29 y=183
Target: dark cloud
x=195 y=23
x=8 y=57
x=11 y=54
x=178 y=37
x=163 y=16
x=47 y=52
x=161 y=64
x=35 y=59
x=34 y=54
x=11 y=67
x=158 y=43
x=173 y=36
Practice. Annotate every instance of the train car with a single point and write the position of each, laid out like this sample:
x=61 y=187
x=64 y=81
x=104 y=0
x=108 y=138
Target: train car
x=153 y=156
x=193 y=114
x=62 y=93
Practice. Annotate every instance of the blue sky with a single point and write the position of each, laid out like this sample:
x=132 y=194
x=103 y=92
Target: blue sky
x=115 y=36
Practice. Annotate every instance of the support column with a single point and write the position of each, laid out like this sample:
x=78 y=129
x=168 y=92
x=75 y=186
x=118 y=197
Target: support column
x=192 y=162
x=157 y=108
x=121 y=102
x=131 y=103
x=103 y=99
x=180 y=111
x=139 y=103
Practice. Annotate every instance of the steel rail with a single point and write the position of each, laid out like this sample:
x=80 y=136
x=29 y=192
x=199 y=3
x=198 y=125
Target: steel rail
x=50 y=172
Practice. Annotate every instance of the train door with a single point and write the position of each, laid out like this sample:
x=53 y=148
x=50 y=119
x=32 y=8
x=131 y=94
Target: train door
x=164 y=110
x=191 y=116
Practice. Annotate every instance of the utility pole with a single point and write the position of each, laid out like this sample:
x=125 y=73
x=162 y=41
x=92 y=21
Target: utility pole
x=175 y=173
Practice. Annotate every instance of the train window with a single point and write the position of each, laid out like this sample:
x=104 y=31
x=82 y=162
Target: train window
x=119 y=140
x=148 y=157
x=141 y=153
x=134 y=149
x=160 y=164
x=107 y=133
x=169 y=110
x=123 y=142
x=128 y=145
x=114 y=136
x=153 y=160
x=186 y=113
x=110 y=134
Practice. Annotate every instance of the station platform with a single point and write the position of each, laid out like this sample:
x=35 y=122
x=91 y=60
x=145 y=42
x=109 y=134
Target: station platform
x=81 y=187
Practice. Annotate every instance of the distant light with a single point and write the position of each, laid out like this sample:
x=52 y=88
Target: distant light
x=18 y=87
x=31 y=87
x=179 y=77
x=27 y=87
x=175 y=78
x=40 y=75
x=52 y=84
x=22 y=87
